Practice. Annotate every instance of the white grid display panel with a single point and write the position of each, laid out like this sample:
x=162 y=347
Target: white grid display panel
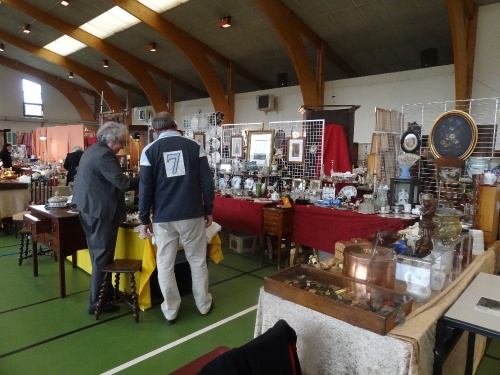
x=200 y=122
x=313 y=132
x=386 y=144
x=228 y=130
x=485 y=114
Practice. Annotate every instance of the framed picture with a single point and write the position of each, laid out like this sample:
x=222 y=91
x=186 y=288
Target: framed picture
x=295 y=154
x=236 y=150
x=298 y=184
x=315 y=184
x=200 y=138
x=410 y=142
x=260 y=146
x=142 y=114
x=453 y=135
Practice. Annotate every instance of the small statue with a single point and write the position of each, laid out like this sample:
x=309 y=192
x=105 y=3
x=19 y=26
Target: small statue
x=403 y=197
x=424 y=245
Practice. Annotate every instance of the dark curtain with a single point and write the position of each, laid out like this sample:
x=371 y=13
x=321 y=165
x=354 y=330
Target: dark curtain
x=343 y=117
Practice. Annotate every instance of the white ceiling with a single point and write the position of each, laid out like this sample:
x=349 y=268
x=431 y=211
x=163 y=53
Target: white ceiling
x=372 y=36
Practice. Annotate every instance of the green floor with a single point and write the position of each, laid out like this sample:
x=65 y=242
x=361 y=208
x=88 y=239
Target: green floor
x=44 y=334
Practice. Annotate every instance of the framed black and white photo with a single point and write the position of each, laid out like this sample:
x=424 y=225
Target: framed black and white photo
x=295 y=154
x=236 y=150
x=142 y=114
x=260 y=146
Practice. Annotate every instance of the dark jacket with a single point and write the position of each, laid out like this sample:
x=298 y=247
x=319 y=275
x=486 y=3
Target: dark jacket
x=6 y=158
x=71 y=165
x=175 y=180
x=99 y=188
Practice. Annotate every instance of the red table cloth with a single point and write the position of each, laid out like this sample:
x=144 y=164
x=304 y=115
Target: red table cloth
x=239 y=215
x=321 y=228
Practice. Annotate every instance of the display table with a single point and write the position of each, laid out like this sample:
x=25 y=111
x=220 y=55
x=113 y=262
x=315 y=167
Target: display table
x=320 y=228
x=239 y=215
x=327 y=345
x=130 y=246
x=14 y=197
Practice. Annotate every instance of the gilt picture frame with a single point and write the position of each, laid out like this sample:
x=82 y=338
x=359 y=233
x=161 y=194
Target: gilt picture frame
x=200 y=138
x=260 y=146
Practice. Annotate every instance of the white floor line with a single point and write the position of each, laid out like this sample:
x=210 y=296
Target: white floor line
x=177 y=342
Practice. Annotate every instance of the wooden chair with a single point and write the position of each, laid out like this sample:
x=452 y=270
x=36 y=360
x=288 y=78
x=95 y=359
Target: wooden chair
x=119 y=266
x=40 y=192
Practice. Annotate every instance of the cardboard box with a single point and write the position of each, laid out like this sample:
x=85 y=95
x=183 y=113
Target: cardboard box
x=362 y=292
x=241 y=243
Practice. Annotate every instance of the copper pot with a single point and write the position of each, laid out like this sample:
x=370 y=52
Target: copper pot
x=378 y=270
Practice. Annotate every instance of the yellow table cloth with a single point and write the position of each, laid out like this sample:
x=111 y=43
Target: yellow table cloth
x=130 y=246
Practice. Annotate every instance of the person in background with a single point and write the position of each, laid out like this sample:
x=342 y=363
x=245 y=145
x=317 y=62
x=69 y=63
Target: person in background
x=99 y=197
x=71 y=163
x=176 y=183
x=5 y=155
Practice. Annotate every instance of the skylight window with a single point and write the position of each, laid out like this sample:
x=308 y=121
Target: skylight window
x=111 y=22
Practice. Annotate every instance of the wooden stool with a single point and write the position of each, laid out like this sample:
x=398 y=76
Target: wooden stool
x=119 y=266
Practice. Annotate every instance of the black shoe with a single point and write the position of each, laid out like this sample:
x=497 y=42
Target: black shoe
x=107 y=309
x=171 y=321
x=209 y=310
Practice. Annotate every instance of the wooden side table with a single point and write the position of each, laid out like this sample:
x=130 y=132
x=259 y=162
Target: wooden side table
x=277 y=222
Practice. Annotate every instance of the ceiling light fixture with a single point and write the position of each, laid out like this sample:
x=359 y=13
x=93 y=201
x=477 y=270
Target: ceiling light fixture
x=152 y=47
x=65 y=3
x=2 y=47
x=225 y=22
x=26 y=28
x=105 y=64
x=70 y=74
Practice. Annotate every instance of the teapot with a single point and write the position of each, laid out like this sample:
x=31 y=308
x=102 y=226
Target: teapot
x=275 y=197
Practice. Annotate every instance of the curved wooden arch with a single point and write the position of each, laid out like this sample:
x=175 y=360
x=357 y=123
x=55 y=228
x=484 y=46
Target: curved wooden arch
x=129 y=62
x=70 y=91
x=463 y=23
x=95 y=79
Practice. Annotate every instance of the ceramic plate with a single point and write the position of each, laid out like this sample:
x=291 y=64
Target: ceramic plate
x=236 y=182
x=249 y=183
x=216 y=131
x=348 y=191
x=194 y=123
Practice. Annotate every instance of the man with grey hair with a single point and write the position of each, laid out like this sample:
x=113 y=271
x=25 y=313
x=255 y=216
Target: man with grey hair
x=176 y=183
x=99 y=198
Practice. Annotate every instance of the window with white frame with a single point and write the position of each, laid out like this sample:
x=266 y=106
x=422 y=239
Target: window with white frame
x=32 y=105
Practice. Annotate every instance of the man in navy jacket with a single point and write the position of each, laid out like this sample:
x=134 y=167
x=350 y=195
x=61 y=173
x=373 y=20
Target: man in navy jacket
x=176 y=184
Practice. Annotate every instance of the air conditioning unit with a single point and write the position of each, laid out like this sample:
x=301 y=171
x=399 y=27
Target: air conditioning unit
x=265 y=102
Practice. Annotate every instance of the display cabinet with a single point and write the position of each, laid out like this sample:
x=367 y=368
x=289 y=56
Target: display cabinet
x=403 y=189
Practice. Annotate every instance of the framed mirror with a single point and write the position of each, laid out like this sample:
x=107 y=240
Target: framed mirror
x=260 y=146
x=410 y=142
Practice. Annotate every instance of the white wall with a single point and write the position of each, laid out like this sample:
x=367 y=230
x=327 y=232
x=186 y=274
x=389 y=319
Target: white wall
x=487 y=62
x=388 y=91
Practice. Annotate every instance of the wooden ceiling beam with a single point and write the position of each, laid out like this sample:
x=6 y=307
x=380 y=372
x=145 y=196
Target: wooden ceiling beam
x=195 y=51
x=70 y=90
x=287 y=24
x=463 y=24
x=180 y=37
x=95 y=79
x=129 y=62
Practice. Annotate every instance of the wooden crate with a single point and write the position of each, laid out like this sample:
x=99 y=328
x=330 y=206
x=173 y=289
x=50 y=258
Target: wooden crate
x=369 y=320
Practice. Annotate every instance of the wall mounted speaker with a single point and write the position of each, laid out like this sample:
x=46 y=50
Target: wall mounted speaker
x=429 y=57
x=282 y=79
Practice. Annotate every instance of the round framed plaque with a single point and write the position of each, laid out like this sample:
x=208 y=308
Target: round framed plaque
x=453 y=135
